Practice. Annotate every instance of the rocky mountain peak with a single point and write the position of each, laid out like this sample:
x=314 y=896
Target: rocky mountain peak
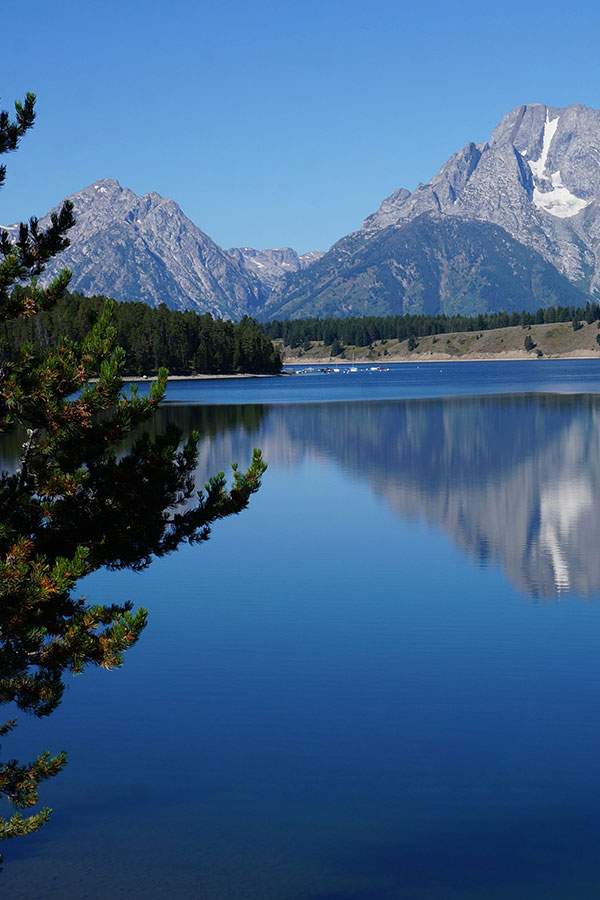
x=145 y=248
x=134 y=247
x=387 y=213
x=538 y=177
x=504 y=224
x=105 y=186
x=269 y=266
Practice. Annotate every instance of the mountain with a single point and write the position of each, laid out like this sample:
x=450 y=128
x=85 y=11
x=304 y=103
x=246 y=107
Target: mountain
x=432 y=264
x=509 y=224
x=269 y=266
x=537 y=179
x=145 y=248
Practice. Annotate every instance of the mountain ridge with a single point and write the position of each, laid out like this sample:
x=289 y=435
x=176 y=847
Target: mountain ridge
x=537 y=178
x=541 y=159
x=145 y=248
x=432 y=264
x=435 y=249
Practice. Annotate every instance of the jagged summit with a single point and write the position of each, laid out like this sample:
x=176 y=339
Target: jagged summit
x=144 y=248
x=508 y=223
x=269 y=266
x=538 y=177
x=434 y=249
x=103 y=185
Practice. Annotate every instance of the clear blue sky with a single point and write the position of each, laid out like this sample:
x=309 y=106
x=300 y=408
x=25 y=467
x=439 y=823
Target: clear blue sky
x=275 y=124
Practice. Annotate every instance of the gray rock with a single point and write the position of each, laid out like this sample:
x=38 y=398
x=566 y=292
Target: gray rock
x=538 y=178
x=269 y=266
x=145 y=248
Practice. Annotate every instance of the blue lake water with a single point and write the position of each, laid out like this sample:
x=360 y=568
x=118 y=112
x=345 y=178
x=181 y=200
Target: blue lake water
x=400 y=381
x=379 y=682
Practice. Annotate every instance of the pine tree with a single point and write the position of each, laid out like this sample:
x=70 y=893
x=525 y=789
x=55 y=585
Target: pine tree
x=77 y=503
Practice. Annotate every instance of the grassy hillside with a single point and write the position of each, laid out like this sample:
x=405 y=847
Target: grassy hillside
x=552 y=341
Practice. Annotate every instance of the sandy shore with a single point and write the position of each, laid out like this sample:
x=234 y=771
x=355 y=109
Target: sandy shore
x=143 y=378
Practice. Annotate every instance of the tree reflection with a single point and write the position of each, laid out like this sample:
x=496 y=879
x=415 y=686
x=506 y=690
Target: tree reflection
x=73 y=501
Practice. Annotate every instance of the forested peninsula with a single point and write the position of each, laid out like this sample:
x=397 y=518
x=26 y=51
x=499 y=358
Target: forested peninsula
x=184 y=342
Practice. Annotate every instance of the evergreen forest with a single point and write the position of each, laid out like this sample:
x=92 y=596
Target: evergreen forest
x=184 y=342
x=360 y=331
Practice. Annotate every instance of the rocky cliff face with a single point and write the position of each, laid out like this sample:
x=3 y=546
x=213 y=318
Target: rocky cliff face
x=269 y=266
x=145 y=248
x=435 y=250
x=538 y=178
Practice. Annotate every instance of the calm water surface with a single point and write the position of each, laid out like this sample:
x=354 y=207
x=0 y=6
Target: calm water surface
x=380 y=682
x=400 y=381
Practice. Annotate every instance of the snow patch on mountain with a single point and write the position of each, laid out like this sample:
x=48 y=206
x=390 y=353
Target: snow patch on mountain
x=539 y=168
x=558 y=201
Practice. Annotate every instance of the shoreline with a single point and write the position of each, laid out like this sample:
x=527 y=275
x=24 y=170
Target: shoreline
x=331 y=362
x=559 y=340
x=435 y=358
x=199 y=377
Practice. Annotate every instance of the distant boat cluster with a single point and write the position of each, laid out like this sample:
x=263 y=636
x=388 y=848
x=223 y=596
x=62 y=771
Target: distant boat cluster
x=328 y=370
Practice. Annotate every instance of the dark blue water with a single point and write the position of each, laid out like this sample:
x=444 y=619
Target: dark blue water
x=380 y=682
x=399 y=381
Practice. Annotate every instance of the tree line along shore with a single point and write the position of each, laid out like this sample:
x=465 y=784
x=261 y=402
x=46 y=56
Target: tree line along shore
x=184 y=342
x=557 y=341
x=554 y=332
x=188 y=343
x=361 y=331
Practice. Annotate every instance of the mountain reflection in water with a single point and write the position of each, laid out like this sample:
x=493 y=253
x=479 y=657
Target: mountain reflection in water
x=511 y=479
x=334 y=698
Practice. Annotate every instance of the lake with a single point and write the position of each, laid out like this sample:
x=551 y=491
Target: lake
x=379 y=682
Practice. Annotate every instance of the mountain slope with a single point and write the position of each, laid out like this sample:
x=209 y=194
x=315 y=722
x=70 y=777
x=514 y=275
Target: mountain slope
x=145 y=248
x=432 y=264
x=538 y=178
x=439 y=247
